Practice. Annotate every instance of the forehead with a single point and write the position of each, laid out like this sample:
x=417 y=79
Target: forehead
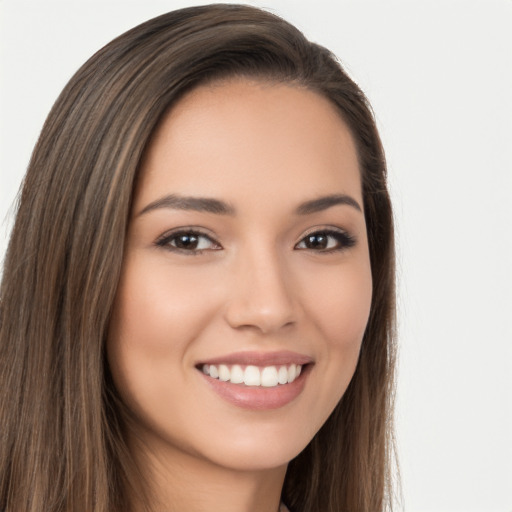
x=242 y=137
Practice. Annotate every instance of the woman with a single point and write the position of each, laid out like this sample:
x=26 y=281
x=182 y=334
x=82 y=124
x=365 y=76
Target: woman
x=198 y=295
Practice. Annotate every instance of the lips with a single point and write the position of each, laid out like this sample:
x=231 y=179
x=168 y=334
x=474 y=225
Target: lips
x=260 y=359
x=254 y=380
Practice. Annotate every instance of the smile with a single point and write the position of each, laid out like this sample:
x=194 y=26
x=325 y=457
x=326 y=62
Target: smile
x=255 y=380
x=268 y=376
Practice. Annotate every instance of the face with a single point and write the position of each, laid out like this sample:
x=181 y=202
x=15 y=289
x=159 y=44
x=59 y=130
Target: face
x=246 y=283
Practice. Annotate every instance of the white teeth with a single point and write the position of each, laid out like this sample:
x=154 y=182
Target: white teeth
x=224 y=373
x=291 y=373
x=282 y=375
x=237 y=374
x=252 y=376
x=269 y=376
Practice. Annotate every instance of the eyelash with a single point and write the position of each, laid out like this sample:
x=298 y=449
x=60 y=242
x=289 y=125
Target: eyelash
x=165 y=241
x=343 y=241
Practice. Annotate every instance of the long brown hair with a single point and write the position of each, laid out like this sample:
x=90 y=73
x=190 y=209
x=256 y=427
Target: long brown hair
x=62 y=425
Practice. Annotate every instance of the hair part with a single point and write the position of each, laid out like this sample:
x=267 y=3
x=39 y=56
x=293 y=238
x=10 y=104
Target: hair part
x=63 y=444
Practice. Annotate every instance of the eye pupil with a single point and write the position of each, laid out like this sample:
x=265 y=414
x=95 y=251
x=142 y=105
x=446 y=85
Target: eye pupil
x=186 y=241
x=316 y=241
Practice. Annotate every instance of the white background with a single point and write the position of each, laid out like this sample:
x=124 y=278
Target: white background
x=439 y=76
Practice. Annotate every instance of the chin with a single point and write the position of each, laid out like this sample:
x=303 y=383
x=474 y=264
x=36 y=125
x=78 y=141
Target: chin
x=256 y=457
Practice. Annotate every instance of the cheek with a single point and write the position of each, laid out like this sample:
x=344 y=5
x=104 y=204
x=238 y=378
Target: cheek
x=157 y=315
x=341 y=310
x=339 y=306
x=342 y=306
x=158 y=310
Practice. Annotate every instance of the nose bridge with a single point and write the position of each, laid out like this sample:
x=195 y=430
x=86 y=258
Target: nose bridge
x=262 y=292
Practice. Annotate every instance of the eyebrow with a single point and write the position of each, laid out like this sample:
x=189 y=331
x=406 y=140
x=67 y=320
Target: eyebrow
x=198 y=204
x=218 y=207
x=325 y=202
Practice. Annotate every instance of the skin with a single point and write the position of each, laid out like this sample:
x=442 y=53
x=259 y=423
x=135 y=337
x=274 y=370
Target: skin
x=255 y=286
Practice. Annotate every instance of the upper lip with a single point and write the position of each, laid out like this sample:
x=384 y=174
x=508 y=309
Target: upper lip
x=282 y=357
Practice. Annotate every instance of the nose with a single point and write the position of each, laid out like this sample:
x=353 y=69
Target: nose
x=262 y=294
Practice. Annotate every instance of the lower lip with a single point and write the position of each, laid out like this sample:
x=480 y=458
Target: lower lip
x=259 y=398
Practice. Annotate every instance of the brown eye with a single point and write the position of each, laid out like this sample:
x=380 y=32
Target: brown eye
x=186 y=241
x=316 y=241
x=326 y=241
x=191 y=242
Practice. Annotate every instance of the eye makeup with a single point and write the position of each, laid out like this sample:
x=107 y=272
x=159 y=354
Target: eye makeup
x=194 y=241
x=188 y=240
x=326 y=241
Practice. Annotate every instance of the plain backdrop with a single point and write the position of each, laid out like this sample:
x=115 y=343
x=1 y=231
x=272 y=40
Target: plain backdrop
x=439 y=76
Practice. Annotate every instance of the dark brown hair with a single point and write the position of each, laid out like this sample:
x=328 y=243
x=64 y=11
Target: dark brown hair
x=62 y=426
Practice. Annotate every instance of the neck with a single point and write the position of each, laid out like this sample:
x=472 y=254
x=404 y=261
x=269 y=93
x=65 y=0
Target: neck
x=177 y=480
